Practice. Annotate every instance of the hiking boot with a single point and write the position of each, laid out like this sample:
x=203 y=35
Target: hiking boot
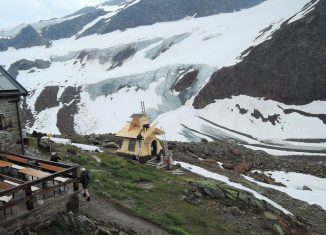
x=84 y=194
x=88 y=199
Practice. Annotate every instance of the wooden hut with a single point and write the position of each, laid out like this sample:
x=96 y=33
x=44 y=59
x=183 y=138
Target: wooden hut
x=140 y=137
x=11 y=136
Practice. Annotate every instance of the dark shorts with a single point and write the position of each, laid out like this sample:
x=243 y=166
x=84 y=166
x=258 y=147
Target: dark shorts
x=85 y=186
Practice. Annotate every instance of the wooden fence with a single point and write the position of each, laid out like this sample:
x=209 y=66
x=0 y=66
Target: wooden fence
x=69 y=172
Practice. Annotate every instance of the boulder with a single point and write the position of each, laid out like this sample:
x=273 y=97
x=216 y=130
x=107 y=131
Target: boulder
x=203 y=140
x=198 y=194
x=306 y=188
x=218 y=193
x=270 y=216
x=277 y=229
x=110 y=145
x=94 y=141
x=234 y=211
x=228 y=166
x=244 y=197
x=257 y=203
x=243 y=167
x=208 y=193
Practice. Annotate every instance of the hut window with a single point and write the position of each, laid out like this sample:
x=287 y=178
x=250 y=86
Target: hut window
x=5 y=122
x=2 y=122
x=132 y=145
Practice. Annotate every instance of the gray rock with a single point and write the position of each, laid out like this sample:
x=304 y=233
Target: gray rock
x=244 y=197
x=234 y=211
x=27 y=37
x=270 y=216
x=277 y=228
x=110 y=145
x=306 y=188
x=257 y=203
x=94 y=141
x=218 y=193
x=207 y=192
x=198 y=194
x=23 y=64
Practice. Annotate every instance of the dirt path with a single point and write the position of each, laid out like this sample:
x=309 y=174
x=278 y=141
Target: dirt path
x=102 y=209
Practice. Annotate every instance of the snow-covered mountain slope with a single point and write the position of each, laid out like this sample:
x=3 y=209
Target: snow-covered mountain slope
x=95 y=82
x=114 y=15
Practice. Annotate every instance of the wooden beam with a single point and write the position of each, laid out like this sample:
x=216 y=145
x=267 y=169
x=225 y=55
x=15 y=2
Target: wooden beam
x=37 y=159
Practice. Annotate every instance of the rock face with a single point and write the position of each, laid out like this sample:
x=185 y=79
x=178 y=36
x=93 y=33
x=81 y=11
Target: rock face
x=69 y=28
x=27 y=65
x=186 y=81
x=27 y=37
x=166 y=10
x=293 y=60
x=65 y=117
x=47 y=98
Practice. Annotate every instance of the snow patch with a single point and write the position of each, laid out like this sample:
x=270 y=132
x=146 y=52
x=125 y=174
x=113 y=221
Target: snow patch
x=294 y=183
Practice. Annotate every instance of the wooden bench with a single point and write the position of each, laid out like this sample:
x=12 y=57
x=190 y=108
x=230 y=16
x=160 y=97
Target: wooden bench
x=51 y=167
x=17 y=159
x=17 y=184
x=5 y=200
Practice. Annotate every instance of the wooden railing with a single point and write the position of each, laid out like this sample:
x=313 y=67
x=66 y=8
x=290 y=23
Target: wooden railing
x=70 y=172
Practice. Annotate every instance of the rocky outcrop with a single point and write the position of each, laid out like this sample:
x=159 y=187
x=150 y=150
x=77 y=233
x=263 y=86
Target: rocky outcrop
x=70 y=222
x=289 y=68
x=47 y=99
x=236 y=204
x=27 y=65
x=27 y=37
x=271 y=118
x=165 y=10
x=186 y=80
x=165 y=45
x=232 y=155
x=27 y=117
x=69 y=28
x=66 y=115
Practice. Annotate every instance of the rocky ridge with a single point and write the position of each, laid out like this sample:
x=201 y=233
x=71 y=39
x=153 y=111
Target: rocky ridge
x=292 y=60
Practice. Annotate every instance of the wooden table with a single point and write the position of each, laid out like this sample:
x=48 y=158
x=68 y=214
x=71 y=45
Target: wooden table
x=4 y=164
x=51 y=167
x=34 y=173
x=17 y=159
x=4 y=186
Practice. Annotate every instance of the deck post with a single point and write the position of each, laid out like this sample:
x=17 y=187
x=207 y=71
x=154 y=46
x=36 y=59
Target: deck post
x=29 y=203
x=75 y=176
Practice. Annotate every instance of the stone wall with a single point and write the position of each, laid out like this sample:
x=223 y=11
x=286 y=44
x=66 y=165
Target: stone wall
x=40 y=217
x=9 y=135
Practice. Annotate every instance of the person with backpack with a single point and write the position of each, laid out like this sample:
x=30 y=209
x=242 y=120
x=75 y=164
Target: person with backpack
x=85 y=179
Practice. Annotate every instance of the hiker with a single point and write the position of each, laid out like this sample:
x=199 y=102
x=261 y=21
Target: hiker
x=85 y=180
x=38 y=136
x=55 y=158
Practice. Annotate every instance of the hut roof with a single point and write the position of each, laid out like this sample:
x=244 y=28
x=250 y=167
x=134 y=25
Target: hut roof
x=137 y=115
x=133 y=133
x=9 y=86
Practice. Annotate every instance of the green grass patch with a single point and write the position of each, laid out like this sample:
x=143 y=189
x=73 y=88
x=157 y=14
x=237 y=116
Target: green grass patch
x=124 y=179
